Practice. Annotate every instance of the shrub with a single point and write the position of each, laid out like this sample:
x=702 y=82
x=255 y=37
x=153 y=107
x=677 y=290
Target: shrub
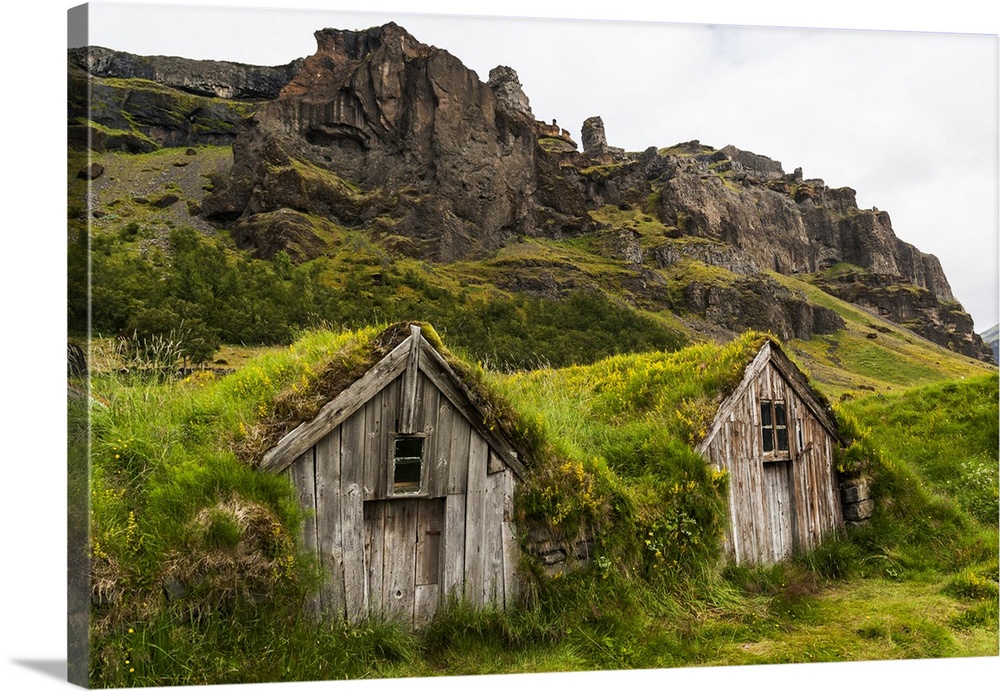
x=967 y=584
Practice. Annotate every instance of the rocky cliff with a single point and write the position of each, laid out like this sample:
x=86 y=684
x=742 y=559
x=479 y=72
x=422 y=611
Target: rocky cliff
x=991 y=337
x=380 y=129
x=379 y=132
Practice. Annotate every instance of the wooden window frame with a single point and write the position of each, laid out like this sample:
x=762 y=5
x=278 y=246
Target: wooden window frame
x=421 y=485
x=774 y=428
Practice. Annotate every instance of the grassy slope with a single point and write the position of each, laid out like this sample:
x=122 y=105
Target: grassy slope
x=871 y=353
x=771 y=616
x=131 y=182
x=946 y=434
x=922 y=584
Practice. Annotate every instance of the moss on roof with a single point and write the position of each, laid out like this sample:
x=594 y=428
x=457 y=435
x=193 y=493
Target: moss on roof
x=679 y=391
x=301 y=399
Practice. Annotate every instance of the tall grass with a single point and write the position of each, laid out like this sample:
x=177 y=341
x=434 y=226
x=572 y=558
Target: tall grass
x=946 y=435
x=620 y=461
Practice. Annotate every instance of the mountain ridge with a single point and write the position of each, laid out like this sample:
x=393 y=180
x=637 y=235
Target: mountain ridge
x=991 y=337
x=379 y=132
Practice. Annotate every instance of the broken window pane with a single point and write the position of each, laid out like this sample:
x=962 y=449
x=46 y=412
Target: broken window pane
x=780 y=425
x=767 y=425
x=408 y=456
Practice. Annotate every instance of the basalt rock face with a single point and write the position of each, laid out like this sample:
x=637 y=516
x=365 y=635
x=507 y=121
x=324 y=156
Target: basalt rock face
x=124 y=102
x=429 y=150
x=762 y=304
x=991 y=337
x=942 y=321
x=781 y=222
x=507 y=86
x=139 y=116
x=595 y=142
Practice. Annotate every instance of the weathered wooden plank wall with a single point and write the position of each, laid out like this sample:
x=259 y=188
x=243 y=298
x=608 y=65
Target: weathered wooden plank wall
x=492 y=557
x=508 y=540
x=302 y=474
x=427 y=590
x=777 y=508
x=330 y=520
x=476 y=526
x=405 y=556
x=778 y=502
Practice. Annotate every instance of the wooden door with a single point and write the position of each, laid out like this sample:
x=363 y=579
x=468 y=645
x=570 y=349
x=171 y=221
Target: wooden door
x=779 y=511
x=403 y=550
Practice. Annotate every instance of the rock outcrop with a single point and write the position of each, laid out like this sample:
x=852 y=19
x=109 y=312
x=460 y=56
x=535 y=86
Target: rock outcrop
x=762 y=304
x=419 y=141
x=782 y=222
x=507 y=87
x=744 y=214
x=595 y=142
x=124 y=102
x=991 y=337
x=137 y=115
x=942 y=321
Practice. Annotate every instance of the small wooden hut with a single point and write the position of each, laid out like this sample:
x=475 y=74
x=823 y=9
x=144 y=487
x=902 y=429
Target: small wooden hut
x=409 y=491
x=775 y=436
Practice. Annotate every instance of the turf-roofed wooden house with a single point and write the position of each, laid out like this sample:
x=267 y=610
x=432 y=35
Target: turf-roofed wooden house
x=409 y=489
x=775 y=437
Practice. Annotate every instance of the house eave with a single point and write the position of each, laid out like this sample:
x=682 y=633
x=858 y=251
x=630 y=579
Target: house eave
x=413 y=354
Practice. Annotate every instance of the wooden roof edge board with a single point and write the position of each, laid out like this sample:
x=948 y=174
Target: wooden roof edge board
x=749 y=374
x=413 y=349
x=772 y=352
x=437 y=369
x=338 y=409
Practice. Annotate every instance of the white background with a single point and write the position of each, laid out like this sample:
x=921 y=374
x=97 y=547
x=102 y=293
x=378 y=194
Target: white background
x=33 y=564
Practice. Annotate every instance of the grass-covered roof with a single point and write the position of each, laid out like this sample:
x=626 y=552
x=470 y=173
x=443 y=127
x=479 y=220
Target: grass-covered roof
x=622 y=435
x=678 y=391
x=304 y=398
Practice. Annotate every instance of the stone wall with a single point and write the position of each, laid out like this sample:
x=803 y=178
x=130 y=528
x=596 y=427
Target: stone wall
x=557 y=556
x=858 y=505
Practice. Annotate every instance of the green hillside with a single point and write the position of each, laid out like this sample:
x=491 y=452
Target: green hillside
x=871 y=353
x=196 y=561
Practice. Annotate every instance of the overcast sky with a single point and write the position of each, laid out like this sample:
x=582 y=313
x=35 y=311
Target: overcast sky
x=908 y=119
